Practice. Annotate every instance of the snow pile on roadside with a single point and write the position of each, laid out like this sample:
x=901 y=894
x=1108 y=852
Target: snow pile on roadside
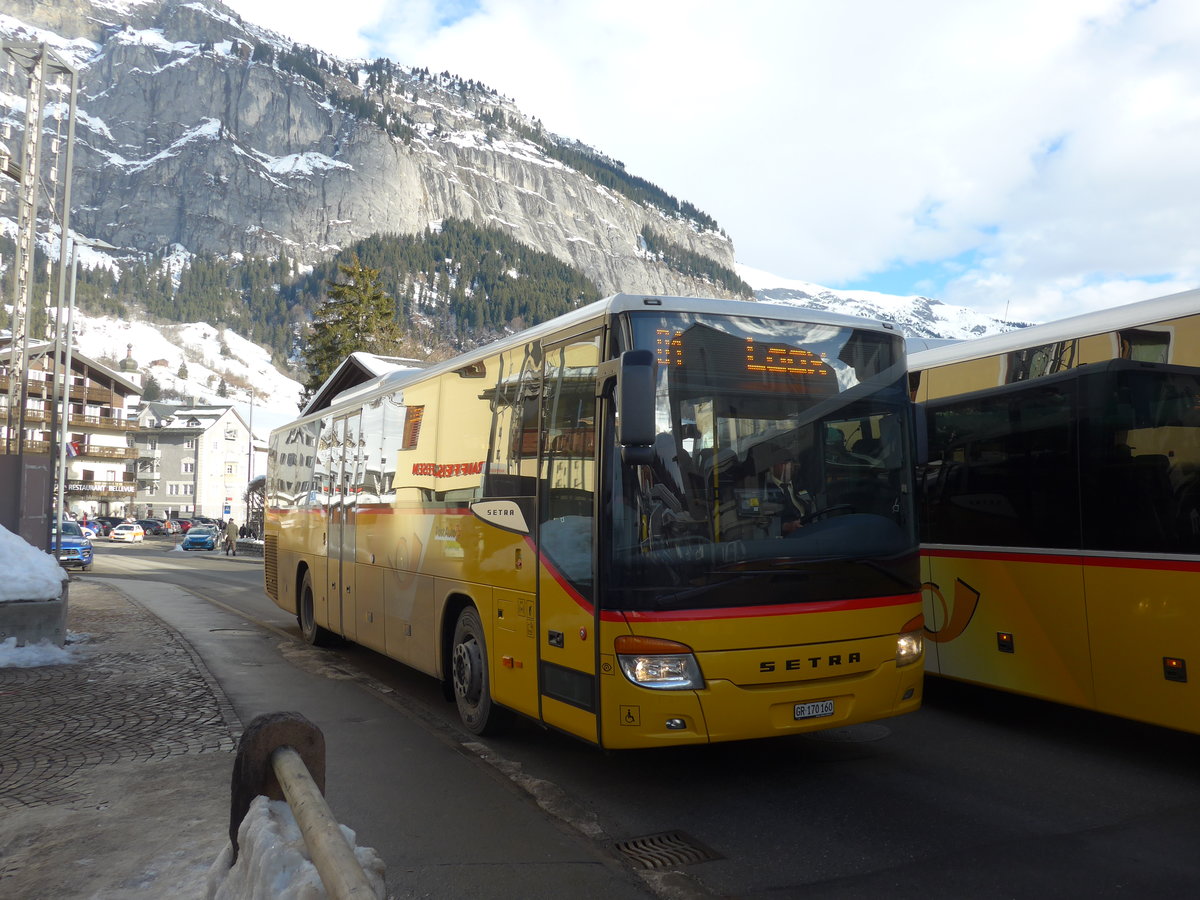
x=273 y=861
x=32 y=655
x=27 y=573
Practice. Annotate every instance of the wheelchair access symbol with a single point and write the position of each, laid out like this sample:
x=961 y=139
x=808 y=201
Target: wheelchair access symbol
x=631 y=715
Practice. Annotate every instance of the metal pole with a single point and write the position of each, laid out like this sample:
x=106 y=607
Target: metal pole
x=249 y=460
x=66 y=394
x=26 y=239
x=66 y=245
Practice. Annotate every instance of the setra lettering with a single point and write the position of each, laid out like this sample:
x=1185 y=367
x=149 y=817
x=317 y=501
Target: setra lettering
x=811 y=662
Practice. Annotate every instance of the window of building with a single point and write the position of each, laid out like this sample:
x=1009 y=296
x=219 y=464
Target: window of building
x=230 y=468
x=188 y=467
x=189 y=444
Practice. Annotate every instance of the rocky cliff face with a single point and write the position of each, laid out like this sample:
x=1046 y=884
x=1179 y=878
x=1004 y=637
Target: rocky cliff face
x=198 y=129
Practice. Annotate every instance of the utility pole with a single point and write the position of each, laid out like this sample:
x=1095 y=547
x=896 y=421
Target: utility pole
x=249 y=458
x=28 y=480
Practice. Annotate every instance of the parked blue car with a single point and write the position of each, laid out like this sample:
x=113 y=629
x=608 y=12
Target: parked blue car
x=200 y=537
x=76 y=547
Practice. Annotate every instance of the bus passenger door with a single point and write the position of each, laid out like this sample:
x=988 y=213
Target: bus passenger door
x=341 y=525
x=567 y=618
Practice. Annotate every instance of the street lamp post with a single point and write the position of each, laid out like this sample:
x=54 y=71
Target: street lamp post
x=67 y=326
x=249 y=458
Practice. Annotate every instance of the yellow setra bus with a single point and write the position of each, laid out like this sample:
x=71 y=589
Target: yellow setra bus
x=652 y=521
x=1061 y=510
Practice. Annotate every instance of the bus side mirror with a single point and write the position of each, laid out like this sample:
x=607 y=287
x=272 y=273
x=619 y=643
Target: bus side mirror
x=921 y=433
x=635 y=407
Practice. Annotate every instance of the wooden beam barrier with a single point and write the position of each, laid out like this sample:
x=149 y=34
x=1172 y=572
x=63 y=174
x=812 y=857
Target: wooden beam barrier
x=282 y=756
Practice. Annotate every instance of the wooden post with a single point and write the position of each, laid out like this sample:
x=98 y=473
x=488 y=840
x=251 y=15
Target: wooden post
x=336 y=863
x=282 y=756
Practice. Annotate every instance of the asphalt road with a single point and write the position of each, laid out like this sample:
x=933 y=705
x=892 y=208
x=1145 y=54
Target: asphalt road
x=980 y=794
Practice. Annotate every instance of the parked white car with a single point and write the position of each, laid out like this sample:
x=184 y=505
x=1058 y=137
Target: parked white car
x=127 y=531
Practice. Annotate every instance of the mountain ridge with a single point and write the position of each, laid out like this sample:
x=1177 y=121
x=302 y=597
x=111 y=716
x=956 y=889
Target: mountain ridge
x=200 y=133
x=199 y=129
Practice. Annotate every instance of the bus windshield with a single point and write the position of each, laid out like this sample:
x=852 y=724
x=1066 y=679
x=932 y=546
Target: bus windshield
x=781 y=471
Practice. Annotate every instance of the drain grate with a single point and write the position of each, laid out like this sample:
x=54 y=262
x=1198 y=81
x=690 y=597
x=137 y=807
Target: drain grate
x=670 y=848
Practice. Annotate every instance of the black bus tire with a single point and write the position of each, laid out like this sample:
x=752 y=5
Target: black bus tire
x=312 y=632
x=469 y=675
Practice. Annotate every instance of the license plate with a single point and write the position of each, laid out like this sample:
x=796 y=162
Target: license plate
x=814 y=710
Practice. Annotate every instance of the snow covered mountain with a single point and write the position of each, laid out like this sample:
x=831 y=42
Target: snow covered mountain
x=199 y=132
x=206 y=356
x=918 y=317
x=198 y=129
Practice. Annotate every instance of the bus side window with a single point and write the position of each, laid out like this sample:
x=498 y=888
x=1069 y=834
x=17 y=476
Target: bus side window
x=512 y=452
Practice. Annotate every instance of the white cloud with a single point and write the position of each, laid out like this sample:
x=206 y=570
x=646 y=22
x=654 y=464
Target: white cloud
x=1055 y=143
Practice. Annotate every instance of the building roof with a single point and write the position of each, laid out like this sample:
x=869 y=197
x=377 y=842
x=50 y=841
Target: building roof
x=355 y=369
x=185 y=417
x=121 y=384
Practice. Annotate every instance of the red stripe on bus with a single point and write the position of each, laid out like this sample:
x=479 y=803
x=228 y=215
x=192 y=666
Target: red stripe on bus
x=1060 y=559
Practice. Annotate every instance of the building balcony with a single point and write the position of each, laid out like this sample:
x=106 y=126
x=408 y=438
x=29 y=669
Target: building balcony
x=36 y=415
x=30 y=446
x=82 y=449
x=38 y=385
x=148 y=453
x=108 y=452
x=149 y=475
x=118 y=423
x=80 y=421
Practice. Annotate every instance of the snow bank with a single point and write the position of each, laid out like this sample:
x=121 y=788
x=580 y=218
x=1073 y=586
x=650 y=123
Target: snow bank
x=273 y=863
x=32 y=655
x=27 y=573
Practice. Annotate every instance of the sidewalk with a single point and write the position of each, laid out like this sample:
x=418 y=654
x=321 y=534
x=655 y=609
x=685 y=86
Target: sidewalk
x=115 y=770
x=114 y=777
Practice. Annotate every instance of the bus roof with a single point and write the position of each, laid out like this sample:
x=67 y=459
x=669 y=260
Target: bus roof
x=1144 y=312
x=617 y=303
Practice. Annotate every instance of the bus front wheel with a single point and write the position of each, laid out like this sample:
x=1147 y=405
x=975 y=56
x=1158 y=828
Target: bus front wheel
x=312 y=632
x=469 y=674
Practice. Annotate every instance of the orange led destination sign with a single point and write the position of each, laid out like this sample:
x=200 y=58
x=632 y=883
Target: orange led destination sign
x=720 y=352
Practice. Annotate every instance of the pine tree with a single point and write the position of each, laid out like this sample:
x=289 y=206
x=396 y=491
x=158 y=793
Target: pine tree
x=182 y=373
x=355 y=315
x=151 y=390
x=222 y=389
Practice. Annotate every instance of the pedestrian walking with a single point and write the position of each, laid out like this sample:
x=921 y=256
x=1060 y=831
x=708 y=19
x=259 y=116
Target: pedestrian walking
x=231 y=537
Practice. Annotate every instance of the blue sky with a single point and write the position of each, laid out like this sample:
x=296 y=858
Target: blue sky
x=1019 y=155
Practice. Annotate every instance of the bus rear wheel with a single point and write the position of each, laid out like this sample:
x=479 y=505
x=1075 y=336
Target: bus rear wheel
x=312 y=632
x=469 y=674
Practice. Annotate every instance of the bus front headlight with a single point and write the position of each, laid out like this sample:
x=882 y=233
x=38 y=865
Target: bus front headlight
x=909 y=647
x=658 y=663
